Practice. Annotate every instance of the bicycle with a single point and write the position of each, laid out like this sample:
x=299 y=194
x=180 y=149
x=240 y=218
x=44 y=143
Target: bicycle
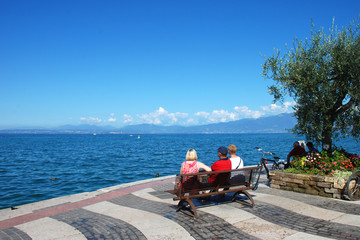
x=262 y=164
x=353 y=186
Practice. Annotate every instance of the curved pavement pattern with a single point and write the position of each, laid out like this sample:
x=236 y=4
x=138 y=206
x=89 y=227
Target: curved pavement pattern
x=143 y=210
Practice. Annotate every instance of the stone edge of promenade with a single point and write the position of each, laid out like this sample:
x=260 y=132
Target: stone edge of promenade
x=7 y=213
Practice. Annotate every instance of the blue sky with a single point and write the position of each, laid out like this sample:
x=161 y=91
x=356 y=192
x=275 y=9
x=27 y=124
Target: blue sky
x=162 y=62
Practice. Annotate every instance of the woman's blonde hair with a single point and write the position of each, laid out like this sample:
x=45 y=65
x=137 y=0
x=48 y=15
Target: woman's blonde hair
x=191 y=155
x=232 y=149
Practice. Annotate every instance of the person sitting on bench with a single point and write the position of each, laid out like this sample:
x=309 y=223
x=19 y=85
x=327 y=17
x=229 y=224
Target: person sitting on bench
x=224 y=163
x=236 y=163
x=192 y=166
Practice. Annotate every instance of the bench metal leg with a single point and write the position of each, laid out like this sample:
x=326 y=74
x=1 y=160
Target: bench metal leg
x=179 y=206
x=192 y=205
x=245 y=193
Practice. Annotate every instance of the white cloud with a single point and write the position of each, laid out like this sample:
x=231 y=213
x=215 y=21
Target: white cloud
x=225 y=116
x=239 y=113
x=214 y=117
x=96 y=120
x=163 y=117
x=202 y=114
x=127 y=119
x=274 y=109
x=245 y=112
x=90 y=120
x=112 y=119
x=222 y=116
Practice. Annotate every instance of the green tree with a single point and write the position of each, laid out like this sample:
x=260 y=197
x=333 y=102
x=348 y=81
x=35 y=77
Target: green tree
x=322 y=75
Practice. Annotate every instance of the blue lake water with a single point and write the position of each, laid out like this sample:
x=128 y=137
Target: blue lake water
x=83 y=163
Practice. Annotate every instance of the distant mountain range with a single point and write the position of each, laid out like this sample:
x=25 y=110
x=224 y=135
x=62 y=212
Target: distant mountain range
x=273 y=124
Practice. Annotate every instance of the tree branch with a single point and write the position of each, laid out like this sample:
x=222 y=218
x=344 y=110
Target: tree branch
x=344 y=107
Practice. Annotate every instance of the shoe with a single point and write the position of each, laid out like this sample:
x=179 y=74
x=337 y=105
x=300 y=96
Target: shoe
x=186 y=205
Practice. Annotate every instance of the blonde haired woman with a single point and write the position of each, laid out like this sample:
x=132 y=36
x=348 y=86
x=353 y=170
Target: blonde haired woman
x=191 y=165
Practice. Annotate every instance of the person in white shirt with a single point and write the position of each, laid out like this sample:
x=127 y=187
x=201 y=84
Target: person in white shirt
x=236 y=161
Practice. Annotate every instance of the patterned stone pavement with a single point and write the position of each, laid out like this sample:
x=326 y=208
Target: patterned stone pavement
x=143 y=210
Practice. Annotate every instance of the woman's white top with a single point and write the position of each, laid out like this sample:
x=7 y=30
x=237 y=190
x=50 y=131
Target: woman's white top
x=236 y=163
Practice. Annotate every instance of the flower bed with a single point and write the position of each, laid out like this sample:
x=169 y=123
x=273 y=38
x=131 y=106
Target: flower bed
x=324 y=174
x=325 y=186
x=325 y=163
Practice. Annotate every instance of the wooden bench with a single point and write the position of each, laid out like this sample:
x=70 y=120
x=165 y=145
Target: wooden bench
x=196 y=185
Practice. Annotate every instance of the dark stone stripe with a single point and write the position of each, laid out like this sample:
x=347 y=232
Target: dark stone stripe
x=207 y=226
x=321 y=202
x=13 y=234
x=302 y=223
x=97 y=226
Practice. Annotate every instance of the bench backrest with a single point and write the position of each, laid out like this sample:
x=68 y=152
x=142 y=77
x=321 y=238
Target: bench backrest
x=192 y=182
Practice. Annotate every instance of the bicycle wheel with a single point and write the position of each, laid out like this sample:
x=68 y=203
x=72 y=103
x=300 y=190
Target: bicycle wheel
x=275 y=166
x=256 y=177
x=278 y=166
x=266 y=171
x=353 y=186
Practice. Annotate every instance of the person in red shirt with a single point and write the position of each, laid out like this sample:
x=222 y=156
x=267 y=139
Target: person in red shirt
x=224 y=163
x=296 y=151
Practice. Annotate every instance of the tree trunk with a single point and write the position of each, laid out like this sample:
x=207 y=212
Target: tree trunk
x=327 y=139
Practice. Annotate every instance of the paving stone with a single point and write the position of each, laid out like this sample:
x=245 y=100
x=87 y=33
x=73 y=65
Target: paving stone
x=13 y=234
x=301 y=223
x=97 y=226
x=322 y=202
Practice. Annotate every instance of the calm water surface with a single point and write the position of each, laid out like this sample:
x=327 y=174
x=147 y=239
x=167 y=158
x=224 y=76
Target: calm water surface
x=83 y=163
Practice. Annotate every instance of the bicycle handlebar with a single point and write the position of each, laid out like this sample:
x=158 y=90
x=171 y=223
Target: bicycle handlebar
x=261 y=150
x=270 y=153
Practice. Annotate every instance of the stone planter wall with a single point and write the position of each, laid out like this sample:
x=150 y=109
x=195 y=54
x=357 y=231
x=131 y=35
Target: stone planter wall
x=332 y=187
